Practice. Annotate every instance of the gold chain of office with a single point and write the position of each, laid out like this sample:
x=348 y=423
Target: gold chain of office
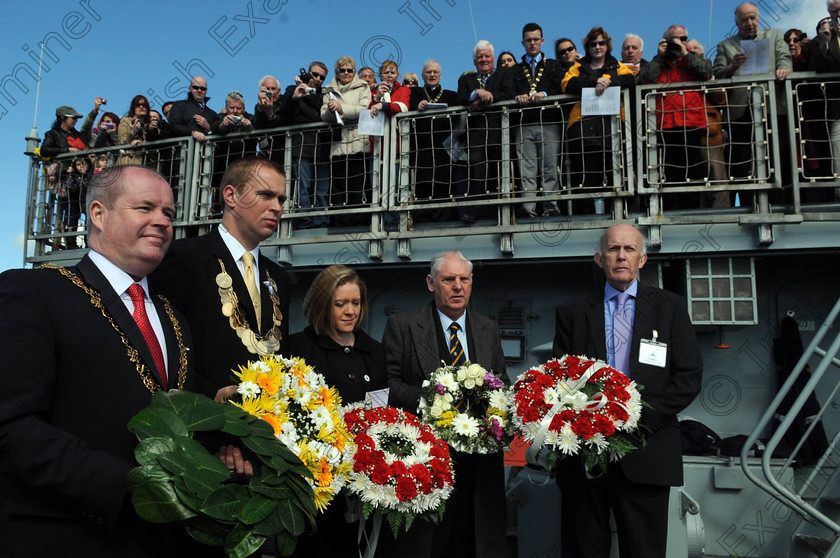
x=133 y=355
x=261 y=345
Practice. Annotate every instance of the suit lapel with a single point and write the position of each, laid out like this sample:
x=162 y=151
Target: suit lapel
x=117 y=309
x=480 y=348
x=266 y=305
x=597 y=328
x=221 y=251
x=425 y=343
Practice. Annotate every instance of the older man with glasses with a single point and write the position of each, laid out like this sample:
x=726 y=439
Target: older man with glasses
x=192 y=116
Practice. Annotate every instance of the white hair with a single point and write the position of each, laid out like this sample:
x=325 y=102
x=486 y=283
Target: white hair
x=429 y=62
x=634 y=36
x=484 y=45
x=667 y=32
x=262 y=80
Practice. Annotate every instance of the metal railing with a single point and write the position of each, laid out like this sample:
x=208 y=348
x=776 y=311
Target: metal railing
x=432 y=169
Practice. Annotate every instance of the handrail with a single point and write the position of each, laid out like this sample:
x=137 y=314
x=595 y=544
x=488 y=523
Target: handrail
x=772 y=486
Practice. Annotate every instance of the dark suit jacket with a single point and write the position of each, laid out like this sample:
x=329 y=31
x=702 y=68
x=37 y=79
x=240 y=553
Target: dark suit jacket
x=187 y=277
x=411 y=351
x=411 y=342
x=580 y=331
x=69 y=390
x=551 y=83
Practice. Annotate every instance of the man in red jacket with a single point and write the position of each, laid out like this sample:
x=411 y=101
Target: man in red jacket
x=680 y=113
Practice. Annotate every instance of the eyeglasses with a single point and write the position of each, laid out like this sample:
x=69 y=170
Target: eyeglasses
x=597 y=43
x=322 y=77
x=411 y=82
x=199 y=87
x=793 y=39
x=565 y=50
x=682 y=39
x=143 y=105
x=344 y=71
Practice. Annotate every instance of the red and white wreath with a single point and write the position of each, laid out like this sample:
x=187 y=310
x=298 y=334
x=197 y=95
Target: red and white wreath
x=401 y=467
x=577 y=406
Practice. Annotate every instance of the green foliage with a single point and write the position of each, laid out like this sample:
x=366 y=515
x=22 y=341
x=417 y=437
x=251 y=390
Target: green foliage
x=179 y=480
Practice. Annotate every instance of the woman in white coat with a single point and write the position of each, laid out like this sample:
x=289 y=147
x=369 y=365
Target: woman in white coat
x=344 y=99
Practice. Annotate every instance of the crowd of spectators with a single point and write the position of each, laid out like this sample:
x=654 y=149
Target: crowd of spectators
x=703 y=135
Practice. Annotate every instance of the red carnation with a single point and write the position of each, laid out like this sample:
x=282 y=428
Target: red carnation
x=423 y=478
x=381 y=474
x=583 y=428
x=406 y=489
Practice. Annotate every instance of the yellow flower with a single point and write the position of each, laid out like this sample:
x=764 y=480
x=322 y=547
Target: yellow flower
x=268 y=384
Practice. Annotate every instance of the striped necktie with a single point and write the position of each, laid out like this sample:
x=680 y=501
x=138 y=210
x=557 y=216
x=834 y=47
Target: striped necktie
x=456 y=351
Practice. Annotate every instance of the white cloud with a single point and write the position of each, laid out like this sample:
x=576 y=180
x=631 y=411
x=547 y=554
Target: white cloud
x=800 y=14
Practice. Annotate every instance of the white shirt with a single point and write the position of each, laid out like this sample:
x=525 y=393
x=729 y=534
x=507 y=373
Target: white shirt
x=237 y=251
x=120 y=281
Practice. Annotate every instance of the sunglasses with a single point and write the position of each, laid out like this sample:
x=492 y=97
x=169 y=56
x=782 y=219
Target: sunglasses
x=565 y=50
x=199 y=87
x=793 y=40
x=144 y=105
x=411 y=82
x=322 y=77
x=343 y=71
x=597 y=43
x=683 y=38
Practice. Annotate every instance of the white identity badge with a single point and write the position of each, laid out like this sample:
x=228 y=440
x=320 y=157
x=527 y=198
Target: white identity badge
x=653 y=352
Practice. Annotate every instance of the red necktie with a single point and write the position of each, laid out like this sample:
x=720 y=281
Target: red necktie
x=135 y=291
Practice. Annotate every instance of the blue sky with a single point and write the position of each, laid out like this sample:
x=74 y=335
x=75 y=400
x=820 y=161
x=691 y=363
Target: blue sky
x=120 y=49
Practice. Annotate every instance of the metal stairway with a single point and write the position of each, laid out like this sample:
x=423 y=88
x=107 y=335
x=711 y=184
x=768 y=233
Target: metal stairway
x=817 y=499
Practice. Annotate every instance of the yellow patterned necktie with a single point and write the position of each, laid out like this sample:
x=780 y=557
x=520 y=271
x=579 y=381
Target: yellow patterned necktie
x=251 y=283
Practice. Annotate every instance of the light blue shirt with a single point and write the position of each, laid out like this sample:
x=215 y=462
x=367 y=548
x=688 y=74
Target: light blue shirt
x=610 y=307
x=446 y=321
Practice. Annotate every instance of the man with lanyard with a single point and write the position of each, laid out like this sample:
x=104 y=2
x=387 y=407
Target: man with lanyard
x=645 y=333
x=538 y=135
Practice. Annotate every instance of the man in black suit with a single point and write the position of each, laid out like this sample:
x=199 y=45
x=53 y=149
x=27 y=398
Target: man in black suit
x=665 y=358
x=207 y=278
x=80 y=359
x=538 y=133
x=415 y=344
x=478 y=91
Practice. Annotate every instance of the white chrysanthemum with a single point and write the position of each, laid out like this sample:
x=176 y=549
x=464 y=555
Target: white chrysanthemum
x=261 y=367
x=551 y=395
x=552 y=439
x=465 y=425
x=301 y=396
x=598 y=442
x=322 y=418
x=248 y=389
x=568 y=442
x=499 y=400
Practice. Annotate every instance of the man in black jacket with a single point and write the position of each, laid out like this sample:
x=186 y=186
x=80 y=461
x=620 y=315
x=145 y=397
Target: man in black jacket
x=538 y=135
x=310 y=149
x=192 y=116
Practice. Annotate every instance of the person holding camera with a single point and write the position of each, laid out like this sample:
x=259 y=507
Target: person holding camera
x=267 y=109
x=233 y=117
x=680 y=114
x=301 y=104
x=132 y=130
x=105 y=134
